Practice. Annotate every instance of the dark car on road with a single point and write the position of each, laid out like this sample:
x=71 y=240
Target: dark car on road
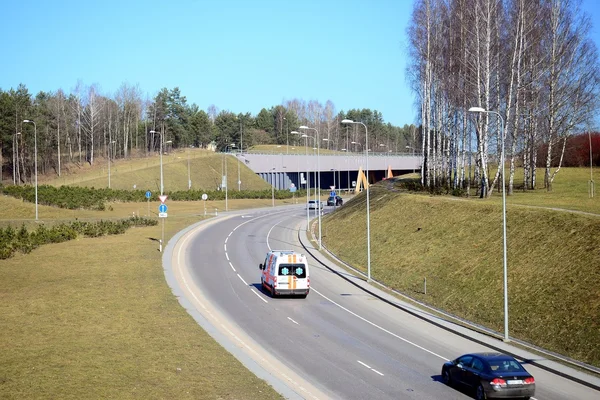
x=490 y=376
x=335 y=201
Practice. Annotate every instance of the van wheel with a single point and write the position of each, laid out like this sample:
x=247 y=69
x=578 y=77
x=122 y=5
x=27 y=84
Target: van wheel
x=273 y=292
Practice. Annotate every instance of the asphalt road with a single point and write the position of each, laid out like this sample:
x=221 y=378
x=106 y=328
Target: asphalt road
x=339 y=342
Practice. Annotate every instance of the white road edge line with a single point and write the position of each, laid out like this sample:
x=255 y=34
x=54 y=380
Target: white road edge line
x=269 y=234
x=362 y=363
x=239 y=276
x=225 y=247
x=259 y=296
x=292 y=320
x=379 y=327
x=377 y=372
x=231 y=265
x=227 y=256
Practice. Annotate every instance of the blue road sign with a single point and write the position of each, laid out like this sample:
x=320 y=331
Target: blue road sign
x=332 y=193
x=148 y=194
x=293 y=189
x=162 y=208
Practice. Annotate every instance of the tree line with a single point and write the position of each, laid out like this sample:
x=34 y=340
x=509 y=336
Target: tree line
x=530 y=61
x=80 y=126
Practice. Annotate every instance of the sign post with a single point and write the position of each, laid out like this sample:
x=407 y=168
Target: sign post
x=148 y=195
x=162 y=213
x=204 y=198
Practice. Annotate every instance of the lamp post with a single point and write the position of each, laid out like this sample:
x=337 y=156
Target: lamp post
x=162 y=143
x=35 y=162
x=318 y=180
x=287 y=136
x=481 y=110
x=109 y=151
x=15 y=156
x=273 y=187
x=307 y=177
x=189 y=172
x=413 y=154
x=366 y=147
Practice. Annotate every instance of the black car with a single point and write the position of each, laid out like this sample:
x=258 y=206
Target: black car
x=335 y=201
x=490 y=375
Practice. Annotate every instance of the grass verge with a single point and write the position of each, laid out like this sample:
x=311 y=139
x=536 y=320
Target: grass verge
x=94 y=318
x=553 y=263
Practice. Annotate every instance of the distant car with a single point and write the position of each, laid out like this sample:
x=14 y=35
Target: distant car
x=490 y=375
x=314 y=204
x=335 y=201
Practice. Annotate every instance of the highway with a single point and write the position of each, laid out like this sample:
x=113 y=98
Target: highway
x=340 y=342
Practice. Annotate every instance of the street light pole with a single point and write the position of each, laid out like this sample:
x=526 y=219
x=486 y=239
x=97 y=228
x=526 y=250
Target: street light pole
x=318 y=180
x=307 y=177
x=349 y=121
x=287 y=136
x=110 y=143
x=162 y=143
x=273 y=187
x=504 y=251
x=35 y=163
x=15 y=155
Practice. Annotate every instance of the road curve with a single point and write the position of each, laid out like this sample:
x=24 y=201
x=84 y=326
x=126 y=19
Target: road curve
x=340 y=342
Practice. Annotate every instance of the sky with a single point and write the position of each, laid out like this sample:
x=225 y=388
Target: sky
x=240 y=55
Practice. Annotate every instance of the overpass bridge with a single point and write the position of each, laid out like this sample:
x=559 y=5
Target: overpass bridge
x=339 y=170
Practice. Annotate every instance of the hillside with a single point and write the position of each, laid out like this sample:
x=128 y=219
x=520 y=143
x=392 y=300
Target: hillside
x=205 y=169
x=456 y=244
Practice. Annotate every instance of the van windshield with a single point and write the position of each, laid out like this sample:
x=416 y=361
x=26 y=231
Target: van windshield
x=298 y=270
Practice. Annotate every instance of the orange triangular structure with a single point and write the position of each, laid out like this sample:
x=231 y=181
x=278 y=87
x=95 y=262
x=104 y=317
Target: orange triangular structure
x=389 y=172
x=361 y=181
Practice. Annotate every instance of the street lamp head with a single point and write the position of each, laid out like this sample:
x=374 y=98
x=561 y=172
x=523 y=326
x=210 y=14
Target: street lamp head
x=325 y=140
x=304 y=135
x=153 y=131
x=168 y=141
x=303 y=127
x=344 y=150
x=347 y=121
x=295 y=132
x=27 y=120
x=476 y=109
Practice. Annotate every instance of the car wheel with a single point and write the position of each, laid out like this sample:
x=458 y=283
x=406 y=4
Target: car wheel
x=273 y=291
x=446 y=377
x=480 y=394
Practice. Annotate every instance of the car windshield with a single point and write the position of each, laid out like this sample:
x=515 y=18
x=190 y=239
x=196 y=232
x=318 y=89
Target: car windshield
x=298 y=270
x=505 y=366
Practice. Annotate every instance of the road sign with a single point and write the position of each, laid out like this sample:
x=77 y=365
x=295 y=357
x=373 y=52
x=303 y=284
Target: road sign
x=332 y=193
x=204 y=196
x=148 y=194
x=163 y=198
x=162 y=215
x=293 y=189
x=162 y=208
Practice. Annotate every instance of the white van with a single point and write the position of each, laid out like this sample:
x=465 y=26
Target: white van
x=285 y=272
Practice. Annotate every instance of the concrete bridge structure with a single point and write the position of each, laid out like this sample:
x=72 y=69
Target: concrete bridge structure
x=339 y=170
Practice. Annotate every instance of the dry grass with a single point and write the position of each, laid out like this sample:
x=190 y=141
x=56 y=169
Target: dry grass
x=553 y=261
x=206 y=169
x=94 y=318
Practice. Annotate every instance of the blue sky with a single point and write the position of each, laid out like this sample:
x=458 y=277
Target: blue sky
x=238 y=55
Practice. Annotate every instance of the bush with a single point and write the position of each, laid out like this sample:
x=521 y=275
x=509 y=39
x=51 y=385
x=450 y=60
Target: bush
x=25 y=242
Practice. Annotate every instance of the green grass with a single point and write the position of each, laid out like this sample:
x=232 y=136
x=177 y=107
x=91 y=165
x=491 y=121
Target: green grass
x=94 y=318
x=553 y=259
x=206 y=169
